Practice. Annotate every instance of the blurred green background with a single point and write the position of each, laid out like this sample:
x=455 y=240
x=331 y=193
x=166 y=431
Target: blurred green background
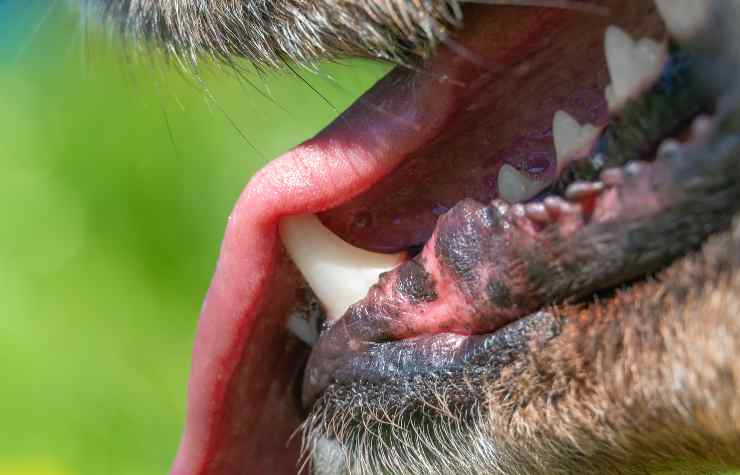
x=116 y=178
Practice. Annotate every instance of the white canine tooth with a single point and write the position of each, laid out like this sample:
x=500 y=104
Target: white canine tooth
x=611 y=98
x=570 y=137
x=631 y=64
x=684 y=18
x=337 y=272
x=515 y=187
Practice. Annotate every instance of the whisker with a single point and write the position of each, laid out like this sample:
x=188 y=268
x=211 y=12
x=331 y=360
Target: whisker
x=242 y=75
x=366 y=103
x=212 y=101
x=166 y=118
x=310 y=86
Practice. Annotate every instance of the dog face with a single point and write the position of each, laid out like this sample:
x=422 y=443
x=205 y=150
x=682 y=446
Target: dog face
x=540 y=200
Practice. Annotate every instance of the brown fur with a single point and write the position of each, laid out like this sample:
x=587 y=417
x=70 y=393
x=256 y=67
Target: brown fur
x=645 y=379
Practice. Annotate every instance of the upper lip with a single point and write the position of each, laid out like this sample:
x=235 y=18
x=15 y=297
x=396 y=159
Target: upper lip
x=242 y=357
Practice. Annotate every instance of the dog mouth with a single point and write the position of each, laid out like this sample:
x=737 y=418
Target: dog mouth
x=543 y=155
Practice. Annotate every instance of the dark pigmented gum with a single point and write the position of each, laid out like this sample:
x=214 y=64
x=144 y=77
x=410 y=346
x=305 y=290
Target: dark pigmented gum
x=499 y=293
x=415 y=284
x=459 y=236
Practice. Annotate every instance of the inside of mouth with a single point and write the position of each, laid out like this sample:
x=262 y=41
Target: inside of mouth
x=559 y=104
x=614 y=95
x=664 y=210
x=508 y=88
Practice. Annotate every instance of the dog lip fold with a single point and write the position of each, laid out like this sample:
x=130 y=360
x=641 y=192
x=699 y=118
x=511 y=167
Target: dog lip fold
x=241 y=404
x=242 y=410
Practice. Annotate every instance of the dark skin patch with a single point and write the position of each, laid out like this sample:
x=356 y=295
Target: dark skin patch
x=459 y=235
x=414 y=283
x=499 y=294
x=464 y=239
x=537 y=272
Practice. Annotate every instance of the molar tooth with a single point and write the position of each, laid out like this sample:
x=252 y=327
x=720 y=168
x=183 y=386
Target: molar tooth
x=570 y=137
x=337 y=272
x=684 y=18
x=515 y=187
x=631 y=64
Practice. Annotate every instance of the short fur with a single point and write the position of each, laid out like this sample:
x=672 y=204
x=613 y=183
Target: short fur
x=269 y=32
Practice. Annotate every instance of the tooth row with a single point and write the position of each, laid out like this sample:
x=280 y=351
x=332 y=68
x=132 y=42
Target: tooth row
x=570 y=138
x=337 y=272
x=632 y=64
x=684 y=18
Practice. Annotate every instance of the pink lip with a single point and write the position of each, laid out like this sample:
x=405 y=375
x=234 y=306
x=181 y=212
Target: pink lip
x=242 y=405
x=243 y=360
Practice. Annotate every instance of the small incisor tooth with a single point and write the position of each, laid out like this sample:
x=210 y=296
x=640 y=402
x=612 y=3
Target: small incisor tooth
x=337 y=272
x=570 y=137
x=515 y=187
x=631 y=64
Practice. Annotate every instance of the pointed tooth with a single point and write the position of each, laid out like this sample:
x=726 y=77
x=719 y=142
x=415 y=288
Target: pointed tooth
x=515 y=187
x=684 y=18
x=570 y=137
x=611 y=98
x=337 y=272
x=631 y=64
x=649 y=57
x=619 y=46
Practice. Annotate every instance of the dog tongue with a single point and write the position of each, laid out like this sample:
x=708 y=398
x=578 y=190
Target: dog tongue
x=242 y=404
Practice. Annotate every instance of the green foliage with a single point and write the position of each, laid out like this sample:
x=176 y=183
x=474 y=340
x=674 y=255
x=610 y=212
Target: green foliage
x=116 y=178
